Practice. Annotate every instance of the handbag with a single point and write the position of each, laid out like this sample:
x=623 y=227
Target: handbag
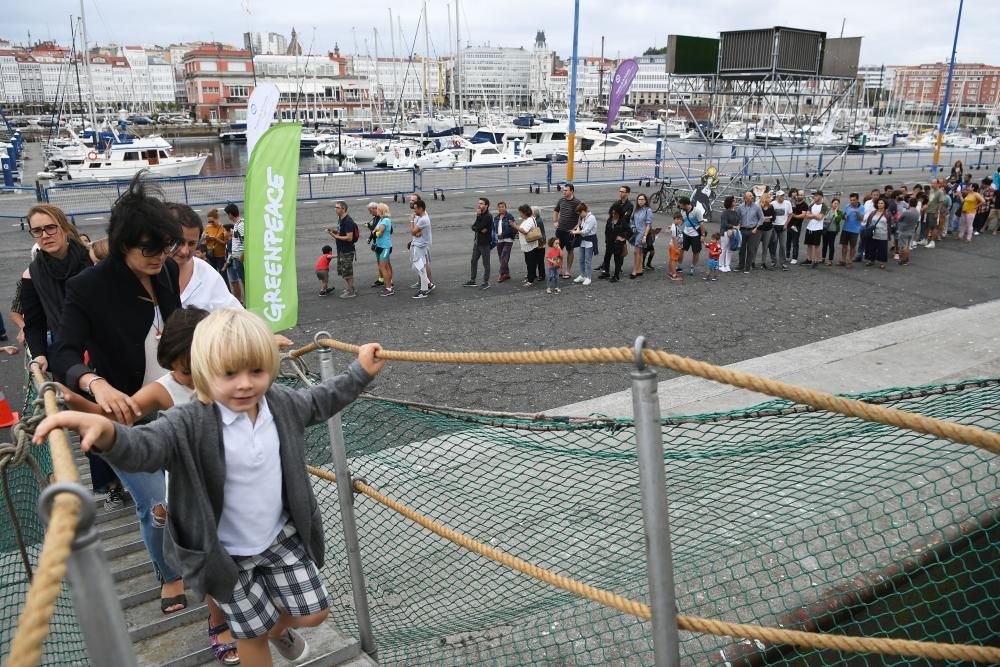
x=534 y=234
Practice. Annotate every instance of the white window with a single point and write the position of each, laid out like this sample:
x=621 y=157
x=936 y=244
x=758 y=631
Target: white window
x=208 y=66
x=234 y=66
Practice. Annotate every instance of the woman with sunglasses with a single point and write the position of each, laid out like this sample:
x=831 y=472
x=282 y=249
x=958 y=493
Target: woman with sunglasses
x=61 y=256
x=116 y=312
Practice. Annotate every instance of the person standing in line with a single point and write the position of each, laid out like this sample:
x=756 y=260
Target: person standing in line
x=906 y=227
x=346 y=235
x=714 y=251
x=420 y=247
x=877 y=247
x=796 y=221
x=504 y=233
x=370 y=226
x=971 y=202
x=533 y=250
x=766 y=227
x=932 y=212
x=751 y=218
x=413 y=199
x=730 y=221
x=383 y=248
x=782 y=213
x=624 y=207
x=553 y=265
x=564 y=218
x=693 y=229
x=215 y=241
x=814 y=230
x=675 y=251
x=323 y=269
x=237 y=274
x=642 y=222
x=831 y=227
x=994 y=213
x=586 y=231
x=853 y=216
x=982 y=212
x=482 y=229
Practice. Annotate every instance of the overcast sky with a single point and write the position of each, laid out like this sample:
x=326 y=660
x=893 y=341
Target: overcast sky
x=894 y=31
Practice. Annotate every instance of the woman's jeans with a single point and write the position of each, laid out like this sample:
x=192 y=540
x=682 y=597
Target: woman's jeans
x=586 y=260
x=148 y=490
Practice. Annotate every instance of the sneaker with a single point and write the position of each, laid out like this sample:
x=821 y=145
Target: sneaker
x=484 y=286
x=378 y=283
x=469 y=283
x=746 y=270
x=975 y=233
x=586 y=281
x=421 y=295
x=794 y=261
x=604 y=276
x=930 y=244
x=691 y=271
x=115 y=499
x=805 y=263
x=578 y=279
x=527 y=283
x=923 y=242
x=415 y=286
x=548 y=290
x=613 y=279
x=431 y=286
x=324 y=292
x=291 y=645
x=784 y=267
x=706 y=278
x=765 y=267
x=347 y=294
x=649 y=267
x=387 y=291
x=556 y=290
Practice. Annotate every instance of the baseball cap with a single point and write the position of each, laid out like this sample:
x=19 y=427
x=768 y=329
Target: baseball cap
x=818 y=192
x=780 y=192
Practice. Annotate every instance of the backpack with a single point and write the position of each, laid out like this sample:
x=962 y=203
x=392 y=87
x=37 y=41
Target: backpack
x=356 y=234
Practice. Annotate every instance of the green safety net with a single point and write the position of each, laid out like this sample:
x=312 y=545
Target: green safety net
x=780 y=516
x=64 y=645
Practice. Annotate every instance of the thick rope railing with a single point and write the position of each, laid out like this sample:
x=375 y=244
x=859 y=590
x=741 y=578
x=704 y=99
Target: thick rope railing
x=40 y=605
x=811 y=640
x=850 y=407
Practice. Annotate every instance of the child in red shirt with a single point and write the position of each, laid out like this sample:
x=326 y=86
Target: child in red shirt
x=714 y=252
x=323 y=269
x=553 y=262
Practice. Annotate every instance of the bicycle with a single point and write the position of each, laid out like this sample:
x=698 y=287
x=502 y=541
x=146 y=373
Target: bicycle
x=664 y=199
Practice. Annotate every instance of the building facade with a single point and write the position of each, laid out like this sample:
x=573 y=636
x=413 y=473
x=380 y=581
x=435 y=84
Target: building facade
x=496 y=78
x=265 y=43
x=975 y=87
x=399 y=82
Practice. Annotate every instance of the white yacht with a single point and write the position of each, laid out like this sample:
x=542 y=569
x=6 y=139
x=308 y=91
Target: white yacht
x=616 y=147
x=122 y=162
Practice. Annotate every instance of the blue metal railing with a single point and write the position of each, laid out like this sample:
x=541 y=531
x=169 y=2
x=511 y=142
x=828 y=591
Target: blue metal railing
x=749 y=162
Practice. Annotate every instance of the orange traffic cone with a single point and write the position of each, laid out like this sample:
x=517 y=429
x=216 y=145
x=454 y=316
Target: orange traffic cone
x=7 y=418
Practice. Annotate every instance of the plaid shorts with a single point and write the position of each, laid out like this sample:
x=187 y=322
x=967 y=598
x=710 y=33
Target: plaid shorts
x=345 y=264
x=282 y=577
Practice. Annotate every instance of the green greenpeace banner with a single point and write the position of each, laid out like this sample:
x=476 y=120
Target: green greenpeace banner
x=269 y=214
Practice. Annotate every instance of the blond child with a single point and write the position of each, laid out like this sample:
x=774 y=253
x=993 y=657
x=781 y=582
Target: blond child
x=243 y=523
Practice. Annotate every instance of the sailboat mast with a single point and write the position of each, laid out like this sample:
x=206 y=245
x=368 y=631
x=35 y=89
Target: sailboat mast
x=86 y=67
x=458 y=59
x=76 y=67
x=427 y=55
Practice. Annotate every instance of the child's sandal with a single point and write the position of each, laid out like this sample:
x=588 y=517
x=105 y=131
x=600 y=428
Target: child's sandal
x=220 y=650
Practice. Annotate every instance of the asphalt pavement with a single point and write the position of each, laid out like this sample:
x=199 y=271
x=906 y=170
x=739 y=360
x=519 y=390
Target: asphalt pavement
x=739 y=317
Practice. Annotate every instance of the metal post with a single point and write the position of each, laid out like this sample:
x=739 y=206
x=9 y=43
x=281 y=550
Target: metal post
x=98 y=610
x=345 y=493
x=659 y=158
x=653 y=490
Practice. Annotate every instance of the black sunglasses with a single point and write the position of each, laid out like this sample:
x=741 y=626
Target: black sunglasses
x=148 y=250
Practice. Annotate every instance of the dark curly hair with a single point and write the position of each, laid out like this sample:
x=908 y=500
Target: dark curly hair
x=141 y=217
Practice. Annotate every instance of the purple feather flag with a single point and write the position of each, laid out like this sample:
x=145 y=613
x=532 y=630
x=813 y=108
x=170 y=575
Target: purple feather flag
x=619 y=87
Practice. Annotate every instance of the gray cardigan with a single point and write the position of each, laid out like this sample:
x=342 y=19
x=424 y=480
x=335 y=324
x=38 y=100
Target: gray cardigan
x=187 y=442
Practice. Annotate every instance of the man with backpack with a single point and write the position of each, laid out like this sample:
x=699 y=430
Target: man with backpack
x=346 y=234
x=482 y=242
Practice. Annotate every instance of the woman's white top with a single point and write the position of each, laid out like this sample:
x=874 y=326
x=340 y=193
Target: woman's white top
x=524 y=227
x=206 y=289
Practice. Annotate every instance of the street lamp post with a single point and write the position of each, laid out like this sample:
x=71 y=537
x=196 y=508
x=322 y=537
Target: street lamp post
x=947 y=92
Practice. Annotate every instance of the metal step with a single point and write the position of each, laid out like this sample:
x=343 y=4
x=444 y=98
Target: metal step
x=327 y=646
x=145 y=620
